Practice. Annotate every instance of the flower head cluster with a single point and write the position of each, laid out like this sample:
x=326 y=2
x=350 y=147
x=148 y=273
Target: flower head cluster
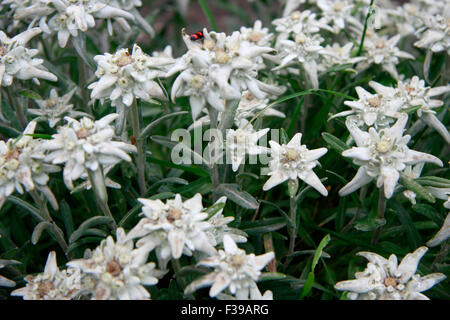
x=385 y=279
x=219 y=68
x=415 y=93
x=124 y=77
x=17 y=61
x=115 y=270
x=382 y=155
x=378 y=110
x=435 y=35
x=55 y=108
x=383 y=51
x=22 y=166
x=299 y=43
x=86 y=145
x=293 y=160
x=52 y=284
x=174 y=228
x=68 y=17
x=233 y=270
x=242 y=141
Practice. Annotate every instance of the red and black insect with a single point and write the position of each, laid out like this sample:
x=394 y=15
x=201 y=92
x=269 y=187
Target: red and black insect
x=133 y=140
x=197 y=36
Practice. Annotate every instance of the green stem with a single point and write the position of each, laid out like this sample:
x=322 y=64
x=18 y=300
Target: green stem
x=140 y=157
x=14 y=103
x=381 y=211
x=55 y=230
x=365 y=28
x=213 y=116
x=292 y=230
x=101 y=195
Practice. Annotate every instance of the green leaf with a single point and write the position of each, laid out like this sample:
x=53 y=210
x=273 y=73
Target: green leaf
x=334 y=142
x=37 y=232
x=284 y=138
x=429 y=212
x=411 y=232
x=97 y=220
x=369 y=224
x=433 y=181
x=323 y=243
x=82 y=242
x=211 y=211
x=28 y=207
x=170 y=180
x=30 y=94
x=241 y=198
x=308 y=285
x=417 y=188
x=268 y=276
x=263 y=226
x=148 y=129
x=40 y=136
x=192 y=169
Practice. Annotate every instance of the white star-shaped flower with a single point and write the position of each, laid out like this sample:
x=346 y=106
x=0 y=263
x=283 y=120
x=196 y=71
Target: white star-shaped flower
x=233 y=270
x=292 y=161
x=385 y=279
x=381 y=155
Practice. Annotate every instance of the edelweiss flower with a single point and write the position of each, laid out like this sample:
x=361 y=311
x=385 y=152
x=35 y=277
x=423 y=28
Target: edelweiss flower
x=233 y=270
x=383 y=51
x=52 y=284
x=305 y=51
x=124 y=77
x=174 y=228
x=378 y=110
x=73 y=16
x=55 y=108
x=384 y=279
x=220 y=227
x=117 y=271
x=437 y=35
x=381 y=155
x=442 y=235
x=338 y=13
x=16 y=61
x=86 y=144
x=258 y=35
x=219 y=69
x=292 y=161
x=4 y=282
x=415 y=93
x=22 y=164
x=336 y=55
x=242 y=141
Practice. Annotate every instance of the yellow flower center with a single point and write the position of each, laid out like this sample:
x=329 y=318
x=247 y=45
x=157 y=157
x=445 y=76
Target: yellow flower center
x=339 y=5
x=380 y=44
x=83 y=133
x=375 y=102
x=174 y=214
x=291 y=155
x=209 y=44
x=114 y=268
x=384 y=146
x=300 y=38
x=388 y=282
x=255 y=36
x=238 y=260
x=222 y=57
x=197 y=81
